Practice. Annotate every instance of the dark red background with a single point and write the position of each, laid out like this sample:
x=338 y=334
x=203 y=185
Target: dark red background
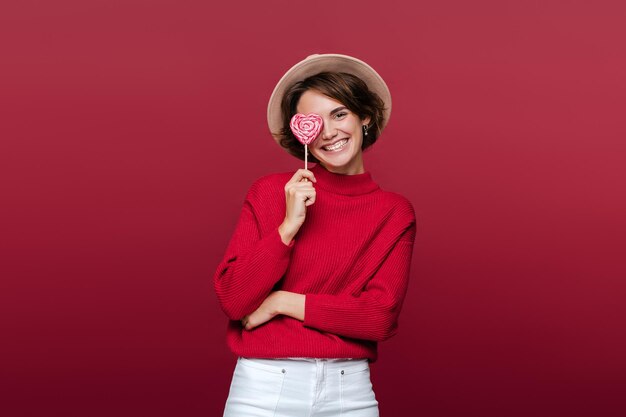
x=130 y=131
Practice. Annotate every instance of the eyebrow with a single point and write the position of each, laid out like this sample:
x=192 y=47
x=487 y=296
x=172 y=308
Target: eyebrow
x=337 y=109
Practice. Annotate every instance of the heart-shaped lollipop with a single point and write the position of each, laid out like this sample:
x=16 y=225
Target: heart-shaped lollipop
x=306 y=127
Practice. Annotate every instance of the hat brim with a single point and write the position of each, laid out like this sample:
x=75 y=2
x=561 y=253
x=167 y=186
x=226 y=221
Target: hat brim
x=315 y=64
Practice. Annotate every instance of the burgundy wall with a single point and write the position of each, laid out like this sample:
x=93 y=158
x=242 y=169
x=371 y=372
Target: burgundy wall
x=130 y=131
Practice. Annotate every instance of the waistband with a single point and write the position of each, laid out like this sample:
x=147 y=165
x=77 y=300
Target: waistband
x=348 y=365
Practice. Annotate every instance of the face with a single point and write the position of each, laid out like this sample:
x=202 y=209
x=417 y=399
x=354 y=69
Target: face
x=342 y=132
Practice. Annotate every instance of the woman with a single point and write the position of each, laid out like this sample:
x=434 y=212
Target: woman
x=317 y=269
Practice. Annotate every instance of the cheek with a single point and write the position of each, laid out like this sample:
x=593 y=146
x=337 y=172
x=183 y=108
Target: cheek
x=313 y=151
x=356 y=128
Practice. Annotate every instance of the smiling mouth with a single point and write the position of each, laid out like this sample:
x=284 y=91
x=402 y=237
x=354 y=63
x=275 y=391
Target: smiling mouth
x=336 y=146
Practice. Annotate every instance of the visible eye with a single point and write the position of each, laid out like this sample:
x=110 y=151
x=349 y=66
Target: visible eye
x=341 y=114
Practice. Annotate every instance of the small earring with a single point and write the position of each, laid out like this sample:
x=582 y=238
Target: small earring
x=365 y=130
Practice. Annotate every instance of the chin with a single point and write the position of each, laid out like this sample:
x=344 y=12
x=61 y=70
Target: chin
x=332 y=161
x=336 y=164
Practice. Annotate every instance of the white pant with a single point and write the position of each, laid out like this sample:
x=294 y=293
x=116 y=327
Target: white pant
x=301 y=387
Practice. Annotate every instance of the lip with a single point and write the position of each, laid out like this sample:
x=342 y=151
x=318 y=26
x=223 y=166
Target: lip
x=331 y=144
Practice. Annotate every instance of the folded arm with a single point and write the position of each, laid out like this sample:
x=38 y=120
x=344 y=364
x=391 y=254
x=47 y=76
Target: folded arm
x=373 y=314
x=251 y=266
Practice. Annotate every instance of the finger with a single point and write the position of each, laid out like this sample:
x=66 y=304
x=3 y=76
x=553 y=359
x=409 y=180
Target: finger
x=302 y=174
x=310 y=200
x=305 y=194
x=247 y=325
x=303 y=186
x=300 y=187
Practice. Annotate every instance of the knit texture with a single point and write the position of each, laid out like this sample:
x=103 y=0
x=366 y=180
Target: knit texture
x=351 y=258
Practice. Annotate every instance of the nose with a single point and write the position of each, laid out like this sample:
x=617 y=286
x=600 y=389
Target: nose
x=328 y=131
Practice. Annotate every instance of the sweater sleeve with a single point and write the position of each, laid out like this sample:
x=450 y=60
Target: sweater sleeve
x=251 y=265
x=373 y=314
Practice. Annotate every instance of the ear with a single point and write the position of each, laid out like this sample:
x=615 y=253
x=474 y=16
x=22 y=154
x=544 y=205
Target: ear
x=366 y=121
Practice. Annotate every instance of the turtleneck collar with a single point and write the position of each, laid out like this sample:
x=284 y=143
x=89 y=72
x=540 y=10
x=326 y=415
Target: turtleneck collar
x=343 y=184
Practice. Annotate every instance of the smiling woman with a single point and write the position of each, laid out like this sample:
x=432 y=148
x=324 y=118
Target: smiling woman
x=336 y=96
x=339 y=146
x=305 y=322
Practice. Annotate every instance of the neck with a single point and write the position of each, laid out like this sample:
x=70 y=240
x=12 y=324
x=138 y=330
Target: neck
x=344 y=184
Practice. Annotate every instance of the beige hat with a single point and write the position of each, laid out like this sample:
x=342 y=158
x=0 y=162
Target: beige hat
x=317 y=63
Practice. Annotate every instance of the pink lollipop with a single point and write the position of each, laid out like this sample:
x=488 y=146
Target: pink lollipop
x=306 y=128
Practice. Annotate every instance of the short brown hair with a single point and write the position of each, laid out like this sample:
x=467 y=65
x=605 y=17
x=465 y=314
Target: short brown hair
x=346 y=88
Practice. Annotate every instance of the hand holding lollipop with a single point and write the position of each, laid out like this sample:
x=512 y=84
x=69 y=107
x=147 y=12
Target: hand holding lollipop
x=306 y=128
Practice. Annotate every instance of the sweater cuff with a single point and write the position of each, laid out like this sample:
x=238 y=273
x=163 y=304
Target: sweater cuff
x=313 y=314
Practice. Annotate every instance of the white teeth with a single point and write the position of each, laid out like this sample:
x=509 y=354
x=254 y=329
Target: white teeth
x=336 y=146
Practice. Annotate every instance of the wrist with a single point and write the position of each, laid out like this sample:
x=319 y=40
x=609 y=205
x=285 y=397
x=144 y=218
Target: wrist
x=290 y=304
x=287 y=232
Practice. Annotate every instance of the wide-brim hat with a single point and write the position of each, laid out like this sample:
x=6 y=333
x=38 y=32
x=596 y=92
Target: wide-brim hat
x=316 y=63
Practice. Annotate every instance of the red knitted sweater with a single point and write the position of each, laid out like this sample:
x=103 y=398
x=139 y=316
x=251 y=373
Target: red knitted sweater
x=351 y=258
